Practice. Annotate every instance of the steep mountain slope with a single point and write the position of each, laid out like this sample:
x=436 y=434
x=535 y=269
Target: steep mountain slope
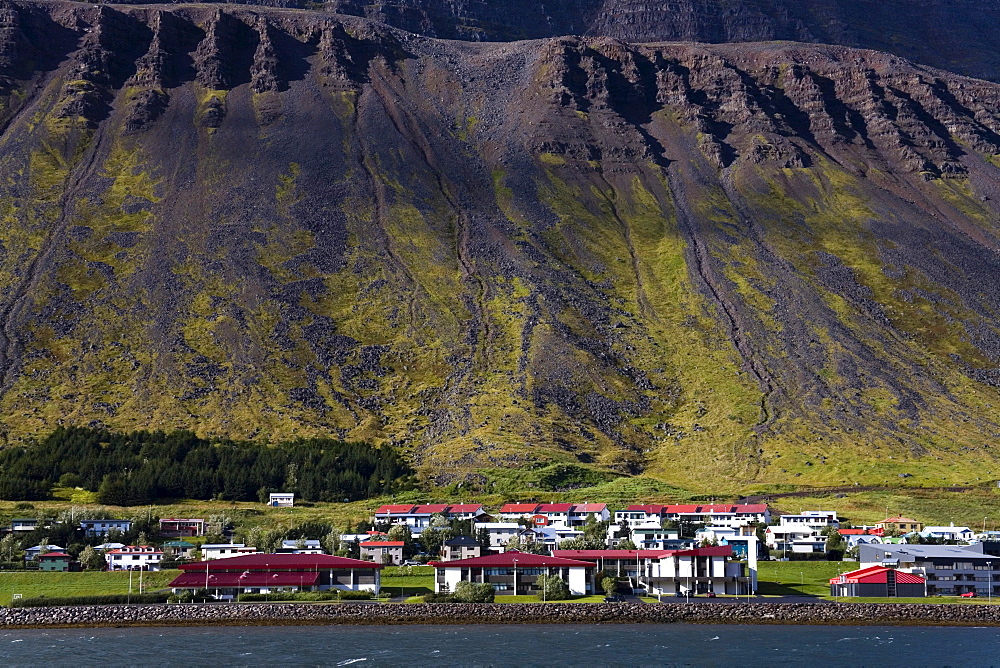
x=712 y=264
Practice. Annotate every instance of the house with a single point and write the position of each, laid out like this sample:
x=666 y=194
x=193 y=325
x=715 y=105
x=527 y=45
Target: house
x=104 y=547
x=815 y=519
x=513 y=572
x=269 y=573
x=714 y=533
x=460 y=547
x=957 y=534
x=878 y=581
x=855 y=537
x=581 y=513
x=281 y=499
x=550 y=536
x=383 y=551
x=25 y=524
x=899 y=525
x=211 y=551
x=104 y=527
x=134 y=558
x=57 y=561
x=419 y=517
x=730 y=515
x=181 y=528
x=668 y=572
x=499 y=533
x=652 y=537
x=948 y=569
x=301 y=547
x=795 y=539
x=178 y=549
x=31 y=554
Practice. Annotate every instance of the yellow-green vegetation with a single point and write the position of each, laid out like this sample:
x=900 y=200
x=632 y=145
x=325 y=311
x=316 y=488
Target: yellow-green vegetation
x=408 y=580
x=32 y=583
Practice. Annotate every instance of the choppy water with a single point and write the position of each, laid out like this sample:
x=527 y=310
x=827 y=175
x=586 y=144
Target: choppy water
x=488 y=645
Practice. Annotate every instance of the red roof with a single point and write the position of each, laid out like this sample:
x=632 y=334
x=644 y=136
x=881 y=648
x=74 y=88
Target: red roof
x=682 y=509
x=853 y=532
x=519 y=508
x=589 y=507
x=554 y=508
x=876 y=574
x=383 y=543
x=897 y=519
x=523 y=559
x=54 y=555
x=465 y=508
x=393 y=510
x=278 y=562
x=430 y=509
x=752 y=508
x=245 y=579
x=651 y=509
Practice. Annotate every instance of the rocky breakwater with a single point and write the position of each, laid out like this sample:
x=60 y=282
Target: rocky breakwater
x=349 y=613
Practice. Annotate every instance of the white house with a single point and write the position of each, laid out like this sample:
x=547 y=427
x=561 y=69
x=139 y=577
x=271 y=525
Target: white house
x=281 y=499
x=652 y=537
x=104 y=527
x=513 y=572
x=301 y=547
x=715 y=533
x=419 y=517
x=31 y=554
x=816 y=519
x=731 y=515
x=555 y=514
x=959 y=534
x=134 y=558
x=499 y=532
x=800 y=539
x=210 y=551
x=582 y=512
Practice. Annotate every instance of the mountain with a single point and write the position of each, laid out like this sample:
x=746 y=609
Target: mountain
x=956 y=35
x=711 y=264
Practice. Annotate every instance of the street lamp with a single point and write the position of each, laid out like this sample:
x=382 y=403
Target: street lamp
x=989 y=592
x=515 y=577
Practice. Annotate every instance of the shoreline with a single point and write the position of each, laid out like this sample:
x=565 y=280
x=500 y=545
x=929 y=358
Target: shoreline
x=297 y=614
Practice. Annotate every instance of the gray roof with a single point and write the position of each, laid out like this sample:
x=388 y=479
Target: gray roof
x=927 y=551
x=462 y=540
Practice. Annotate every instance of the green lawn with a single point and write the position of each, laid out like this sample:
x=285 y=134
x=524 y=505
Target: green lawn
x=797 y=578
x=412 y=580
x=35 y=583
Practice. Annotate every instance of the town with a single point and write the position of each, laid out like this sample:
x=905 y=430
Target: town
x=552 y=551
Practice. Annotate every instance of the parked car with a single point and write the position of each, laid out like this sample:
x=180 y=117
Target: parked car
x=682 y=594
x=968 y=594
x=710 y=594
x=614 y=598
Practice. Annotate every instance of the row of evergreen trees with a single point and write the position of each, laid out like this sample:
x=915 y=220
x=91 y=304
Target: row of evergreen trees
x=141 y=467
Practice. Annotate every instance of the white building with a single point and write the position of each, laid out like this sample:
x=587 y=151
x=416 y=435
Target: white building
x=210 y=551
x=958 y=534
x=301 y=547
x=500 y=533
x=134 y=558
x=795 y=539
x=513 y=572
x=418 y=518
x=652 y=537
x=281 y=499
x=815 y=519
x=555 y=514
x=731 y=515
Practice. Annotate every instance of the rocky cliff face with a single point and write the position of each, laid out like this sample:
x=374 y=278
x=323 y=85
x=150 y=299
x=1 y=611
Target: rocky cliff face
x=957 y=35
x=706 y=263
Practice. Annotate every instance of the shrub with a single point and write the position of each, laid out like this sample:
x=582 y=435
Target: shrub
x=439 y=598
x=554 y=588
x=474 y=592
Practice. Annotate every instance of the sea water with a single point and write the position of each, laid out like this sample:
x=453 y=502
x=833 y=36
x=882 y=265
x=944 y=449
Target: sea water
x=507 y=645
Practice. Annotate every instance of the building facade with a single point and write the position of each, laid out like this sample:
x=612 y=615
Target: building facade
x=513 y=572
x=104 y=527
x=134 y=558
x=948 y=569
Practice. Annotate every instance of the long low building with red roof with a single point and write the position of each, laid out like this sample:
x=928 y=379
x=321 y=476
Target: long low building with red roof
x=555 y=514
x=270 y=573
x=699 y=570
x=419 y=516
x=513 y=572
x=880 y=581
x=718 y=514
